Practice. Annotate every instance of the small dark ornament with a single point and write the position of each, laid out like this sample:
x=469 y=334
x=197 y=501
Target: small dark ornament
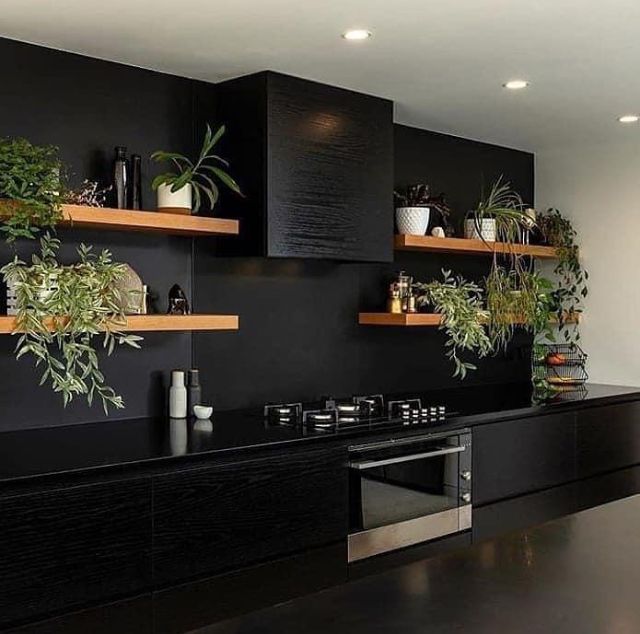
x=440 y=204
x=178 y=302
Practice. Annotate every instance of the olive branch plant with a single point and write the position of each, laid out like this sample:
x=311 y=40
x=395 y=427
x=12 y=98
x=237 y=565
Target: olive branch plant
x=61 y=309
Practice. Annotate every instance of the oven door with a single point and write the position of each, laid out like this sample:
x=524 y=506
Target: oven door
x=408 y=491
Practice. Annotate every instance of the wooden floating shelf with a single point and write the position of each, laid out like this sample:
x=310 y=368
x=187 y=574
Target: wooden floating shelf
x=470 y=247
x=150 y=323
x=146 y=221
x=418 y=319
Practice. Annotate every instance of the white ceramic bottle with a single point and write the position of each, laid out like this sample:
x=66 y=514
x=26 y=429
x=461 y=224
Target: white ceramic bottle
x=177 y=395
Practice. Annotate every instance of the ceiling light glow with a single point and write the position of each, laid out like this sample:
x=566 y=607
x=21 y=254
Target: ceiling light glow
x=629 y=118
x=356 y=34
x=516 y=84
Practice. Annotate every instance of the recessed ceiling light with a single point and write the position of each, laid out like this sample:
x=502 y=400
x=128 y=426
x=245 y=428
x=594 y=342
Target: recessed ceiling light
x=516 y=84
x=356 y=34
x=629 y=118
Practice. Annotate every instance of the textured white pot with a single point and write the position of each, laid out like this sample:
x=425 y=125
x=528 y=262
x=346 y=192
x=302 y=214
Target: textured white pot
x=484 y=229
x=412 y=220
x=42 y=294
x=175 y=202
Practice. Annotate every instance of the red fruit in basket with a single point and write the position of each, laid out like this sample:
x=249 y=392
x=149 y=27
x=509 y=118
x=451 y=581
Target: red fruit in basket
x=555 y=358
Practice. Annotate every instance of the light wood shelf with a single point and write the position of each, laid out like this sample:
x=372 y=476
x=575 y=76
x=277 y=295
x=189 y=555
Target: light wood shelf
x=164 y=323
x=146 y=221
x=421 y=319
x=469 y=247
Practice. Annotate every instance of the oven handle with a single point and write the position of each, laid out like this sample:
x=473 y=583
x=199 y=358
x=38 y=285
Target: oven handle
x=370 y=464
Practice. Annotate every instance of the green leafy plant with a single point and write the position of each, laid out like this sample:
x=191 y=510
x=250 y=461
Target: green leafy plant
x=201 y=174
x=463 y=317
x=518 y=299
x=31 y=184
x=61 y=310
x=571 y=288
x=504 y=205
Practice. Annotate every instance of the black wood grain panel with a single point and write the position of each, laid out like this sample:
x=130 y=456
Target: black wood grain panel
x=330 y=172
x=233 y=515
x=608 y=438
x=519 y=456
x=133 y=616
x=200 y=603
x=69 y=547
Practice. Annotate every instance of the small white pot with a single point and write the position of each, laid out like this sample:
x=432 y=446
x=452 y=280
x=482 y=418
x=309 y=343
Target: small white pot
x=179 y=202
x=43 y=294
x=412 y=220
x=484 y=229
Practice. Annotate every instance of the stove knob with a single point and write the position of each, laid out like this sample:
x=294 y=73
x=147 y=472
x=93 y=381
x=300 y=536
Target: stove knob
x=466 y=497
x=466 y=475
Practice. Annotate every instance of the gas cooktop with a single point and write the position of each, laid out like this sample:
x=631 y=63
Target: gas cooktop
x=357 y=412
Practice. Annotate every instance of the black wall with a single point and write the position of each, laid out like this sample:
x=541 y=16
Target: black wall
x=298 y=335
x=86 y=107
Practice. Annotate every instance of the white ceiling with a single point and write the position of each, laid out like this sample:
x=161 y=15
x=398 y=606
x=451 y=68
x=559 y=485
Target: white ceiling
x=442 y=62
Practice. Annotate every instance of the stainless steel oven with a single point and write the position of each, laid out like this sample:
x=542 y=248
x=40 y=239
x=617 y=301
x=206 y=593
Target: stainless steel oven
x=408 y=490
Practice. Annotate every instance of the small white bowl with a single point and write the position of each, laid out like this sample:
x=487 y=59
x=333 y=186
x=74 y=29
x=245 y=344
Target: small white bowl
x=203 y=412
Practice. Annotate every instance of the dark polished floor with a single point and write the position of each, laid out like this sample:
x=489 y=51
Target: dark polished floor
x=578 y=575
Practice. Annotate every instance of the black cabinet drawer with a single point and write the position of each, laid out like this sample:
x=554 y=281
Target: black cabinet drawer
x=515 y=457
x=66 y=548
x=232 y=515
x=608 y=438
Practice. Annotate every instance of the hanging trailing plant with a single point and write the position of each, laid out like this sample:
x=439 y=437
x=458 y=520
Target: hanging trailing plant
x=463 y=317
x=571 y=288
x=61 y=310
x=31 y=185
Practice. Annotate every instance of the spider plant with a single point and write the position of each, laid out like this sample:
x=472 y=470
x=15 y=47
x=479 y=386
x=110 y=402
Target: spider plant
x=201 y=174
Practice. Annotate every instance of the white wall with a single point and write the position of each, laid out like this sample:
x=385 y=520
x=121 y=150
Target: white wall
x=598 y=187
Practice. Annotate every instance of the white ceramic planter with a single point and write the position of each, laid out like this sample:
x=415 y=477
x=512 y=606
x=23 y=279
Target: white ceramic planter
x=484 y=229
x=179 y=202
x=412 y=220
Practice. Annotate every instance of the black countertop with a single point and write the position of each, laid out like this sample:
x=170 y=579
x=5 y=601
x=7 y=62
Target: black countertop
x=577 y=575
x=57 y=450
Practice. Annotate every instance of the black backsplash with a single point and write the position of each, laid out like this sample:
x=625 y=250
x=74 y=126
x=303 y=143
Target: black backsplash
x=298 y=336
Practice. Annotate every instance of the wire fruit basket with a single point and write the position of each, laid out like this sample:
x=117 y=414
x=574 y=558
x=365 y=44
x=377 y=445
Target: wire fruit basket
x=561 y=365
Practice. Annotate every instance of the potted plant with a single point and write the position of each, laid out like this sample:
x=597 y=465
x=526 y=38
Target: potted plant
x=182 y=190
x=412 y=210
x=498 y=215
x=31 y=186
x=61 y=310
x=463 y=317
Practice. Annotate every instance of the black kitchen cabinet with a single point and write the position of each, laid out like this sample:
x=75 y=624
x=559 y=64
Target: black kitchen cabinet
x=316 y=165
x=232 y=515
x=65 y=548
x=519 y=456
x=608 y=438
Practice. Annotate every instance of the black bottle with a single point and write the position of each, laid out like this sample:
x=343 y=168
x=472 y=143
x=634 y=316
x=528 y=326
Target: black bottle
x=194 y=391
x=120 y=180
x=136 y=182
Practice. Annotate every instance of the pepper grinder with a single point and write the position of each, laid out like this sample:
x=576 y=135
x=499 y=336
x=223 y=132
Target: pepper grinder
x=136 y=181
x=177 y=395
x=194 y=391
x=120 y=177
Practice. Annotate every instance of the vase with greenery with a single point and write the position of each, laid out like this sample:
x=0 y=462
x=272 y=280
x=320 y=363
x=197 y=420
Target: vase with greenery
x=460 y=303
x=571 y=288
x=65 y=313
x=190 y=181
x=31 y=186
